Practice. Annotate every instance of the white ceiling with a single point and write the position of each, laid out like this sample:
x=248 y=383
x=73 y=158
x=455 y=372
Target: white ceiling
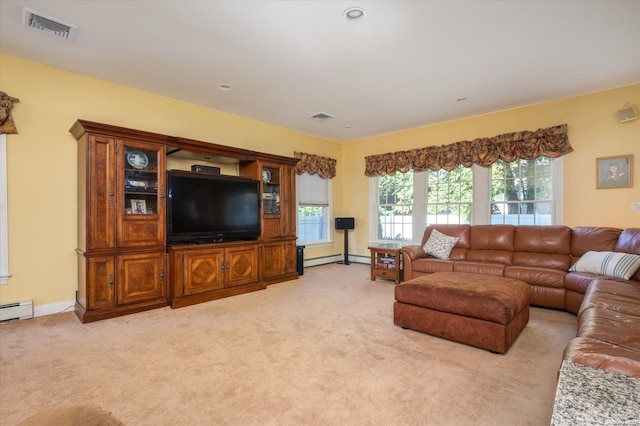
x=401 y=67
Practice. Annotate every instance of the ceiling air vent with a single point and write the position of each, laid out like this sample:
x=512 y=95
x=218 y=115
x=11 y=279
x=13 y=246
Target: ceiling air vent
x=320 y=116
x=49 y=25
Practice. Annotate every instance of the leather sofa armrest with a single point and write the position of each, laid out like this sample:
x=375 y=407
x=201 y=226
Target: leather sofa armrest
x=414 y=252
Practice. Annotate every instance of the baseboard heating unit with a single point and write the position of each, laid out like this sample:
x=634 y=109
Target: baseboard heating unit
x=16 y=311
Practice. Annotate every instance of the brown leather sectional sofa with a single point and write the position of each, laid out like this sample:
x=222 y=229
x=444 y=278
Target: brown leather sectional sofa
x=608 y=308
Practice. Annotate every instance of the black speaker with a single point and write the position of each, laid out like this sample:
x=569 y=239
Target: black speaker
x=205 y=169
x=345 y=223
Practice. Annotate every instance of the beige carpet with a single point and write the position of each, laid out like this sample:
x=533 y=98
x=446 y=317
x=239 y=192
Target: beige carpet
x=321 y=350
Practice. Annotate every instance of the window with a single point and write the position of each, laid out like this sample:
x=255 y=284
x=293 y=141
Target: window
x=395 y=207
x=525 y=192
x=314 y=211
x=449 y=196
x=522 y=192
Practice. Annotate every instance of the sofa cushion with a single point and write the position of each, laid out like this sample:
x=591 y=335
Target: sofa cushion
x=611 y=326
x=608 y=263
x=612 y=302
x=607 y=356
x=630 y=289
x=584 y=239
x=482 y=268
x=491 y=243
x=439 y=245
x=629 y=242
x=536 y=276
x=461 y=232
x=543 y=239
x=430 y=265
x=542 y=245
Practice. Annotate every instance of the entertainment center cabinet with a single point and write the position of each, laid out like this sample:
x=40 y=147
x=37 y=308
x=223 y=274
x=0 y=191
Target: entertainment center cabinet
x=124 y=262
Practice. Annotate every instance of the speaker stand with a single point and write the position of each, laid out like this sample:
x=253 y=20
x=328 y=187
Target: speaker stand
x=346 y=248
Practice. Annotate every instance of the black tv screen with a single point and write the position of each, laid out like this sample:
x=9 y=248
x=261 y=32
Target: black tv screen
x=211 y=208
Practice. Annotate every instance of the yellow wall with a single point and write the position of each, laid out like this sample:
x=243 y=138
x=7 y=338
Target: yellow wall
x=42 y=160
x=42 y=163
x=593 y=131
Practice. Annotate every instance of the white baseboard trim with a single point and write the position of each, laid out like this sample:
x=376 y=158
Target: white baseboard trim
x=53 y=308
x=316 y=261
x=57 y=308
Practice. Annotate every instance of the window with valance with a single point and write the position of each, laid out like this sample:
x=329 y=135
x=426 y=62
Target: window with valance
x=551 y=142
x=324 y=167
x=314 y=197
x=7 y=126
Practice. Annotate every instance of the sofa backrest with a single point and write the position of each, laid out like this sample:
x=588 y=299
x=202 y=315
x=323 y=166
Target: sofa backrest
x=629 y=242
x=459 y=252
x=546 y=246
x=491 y=243
x=584 y=239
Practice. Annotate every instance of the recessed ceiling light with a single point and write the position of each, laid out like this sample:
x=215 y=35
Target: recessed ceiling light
x=461 y=99
x=225 y=87
x=354 y=13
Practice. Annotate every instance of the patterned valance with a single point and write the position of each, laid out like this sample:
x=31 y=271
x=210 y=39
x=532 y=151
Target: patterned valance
x=324 y=167
x=550 y=142
x=6 y=121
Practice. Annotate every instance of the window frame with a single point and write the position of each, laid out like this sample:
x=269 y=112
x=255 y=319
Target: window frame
x=328 y=234
x=481 y=204
x=4 y=223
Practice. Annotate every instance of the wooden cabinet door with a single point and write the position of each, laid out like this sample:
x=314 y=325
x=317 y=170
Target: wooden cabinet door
x=141 y=203
x=241 y=265
x=291 y=254
x=100 y=282
x=289 y=208
x=100 y=193
x=273 y=262
x=202 y=271
x=141 y=277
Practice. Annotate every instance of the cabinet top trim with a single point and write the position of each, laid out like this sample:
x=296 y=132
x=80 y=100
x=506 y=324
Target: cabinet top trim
x=80 y=127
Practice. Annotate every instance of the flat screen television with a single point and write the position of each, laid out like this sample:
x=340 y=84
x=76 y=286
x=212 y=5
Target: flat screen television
x=205 y=208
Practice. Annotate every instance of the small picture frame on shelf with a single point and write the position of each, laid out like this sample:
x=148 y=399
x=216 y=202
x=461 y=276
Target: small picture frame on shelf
x=138 y=206
x=614 y=172
x=139 y=184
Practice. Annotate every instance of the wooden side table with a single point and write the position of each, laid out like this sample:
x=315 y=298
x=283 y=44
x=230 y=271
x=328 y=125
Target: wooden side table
x=386 y=262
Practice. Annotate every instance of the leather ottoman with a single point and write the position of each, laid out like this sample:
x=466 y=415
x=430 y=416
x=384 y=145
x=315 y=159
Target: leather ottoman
x=488 y=312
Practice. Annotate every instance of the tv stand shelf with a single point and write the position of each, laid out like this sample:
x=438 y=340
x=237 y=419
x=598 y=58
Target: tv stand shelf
x=203 y=272
x=124 y=263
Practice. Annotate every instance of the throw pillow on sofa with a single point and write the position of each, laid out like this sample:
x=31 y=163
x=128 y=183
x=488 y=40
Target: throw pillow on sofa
x=439 y=245
x=609 y=263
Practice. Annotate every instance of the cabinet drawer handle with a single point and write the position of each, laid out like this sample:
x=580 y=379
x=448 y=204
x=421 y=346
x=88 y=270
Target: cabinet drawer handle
x=111 y=280
x=111 y=193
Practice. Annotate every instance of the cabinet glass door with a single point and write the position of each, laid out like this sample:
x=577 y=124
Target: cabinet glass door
x=140 y=181
x=141 y=221
x=270 y=190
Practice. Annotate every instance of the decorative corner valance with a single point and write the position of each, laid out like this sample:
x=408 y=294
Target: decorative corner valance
x=324 y=167
x=6 y=120
x=550 y=142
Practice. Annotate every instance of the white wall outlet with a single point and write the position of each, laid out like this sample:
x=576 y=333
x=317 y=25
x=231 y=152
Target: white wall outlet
x=635 y=207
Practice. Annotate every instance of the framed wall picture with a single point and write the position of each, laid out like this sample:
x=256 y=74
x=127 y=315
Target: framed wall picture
x=614 y=172
x=138 y=207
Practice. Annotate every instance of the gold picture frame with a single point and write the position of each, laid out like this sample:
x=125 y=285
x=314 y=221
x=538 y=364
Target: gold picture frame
x=138 y=206
x=614 y=172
